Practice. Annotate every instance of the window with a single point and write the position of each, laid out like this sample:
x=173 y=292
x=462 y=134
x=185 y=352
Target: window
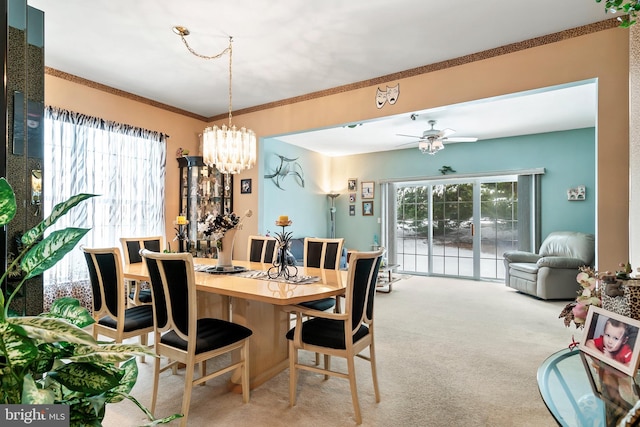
x=123 y=165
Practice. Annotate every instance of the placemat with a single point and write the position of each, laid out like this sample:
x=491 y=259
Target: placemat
x=259 y=275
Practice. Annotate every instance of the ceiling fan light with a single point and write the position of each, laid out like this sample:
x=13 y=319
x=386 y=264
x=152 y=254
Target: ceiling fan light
x=437 y=145
x=424 y=146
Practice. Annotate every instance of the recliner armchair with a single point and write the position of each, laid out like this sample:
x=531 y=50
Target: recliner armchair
x=551 y=273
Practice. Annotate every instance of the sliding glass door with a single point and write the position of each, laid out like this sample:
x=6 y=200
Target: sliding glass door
x=456 y=228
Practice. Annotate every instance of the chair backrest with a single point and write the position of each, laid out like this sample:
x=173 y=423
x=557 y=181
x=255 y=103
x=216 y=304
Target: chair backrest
x=107 y=281
x=173 y=292
x=323 y=253
x=570 y=244
x=261 y=249
x=131 y=247
x=361 y=287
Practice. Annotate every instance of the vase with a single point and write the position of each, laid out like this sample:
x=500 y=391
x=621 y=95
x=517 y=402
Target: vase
x=225 y=253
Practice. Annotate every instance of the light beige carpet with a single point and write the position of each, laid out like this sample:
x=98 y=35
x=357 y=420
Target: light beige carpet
x=450 y=353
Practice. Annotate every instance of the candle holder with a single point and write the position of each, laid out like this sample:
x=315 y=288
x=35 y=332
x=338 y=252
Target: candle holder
x=280 y=267
x=181 y=235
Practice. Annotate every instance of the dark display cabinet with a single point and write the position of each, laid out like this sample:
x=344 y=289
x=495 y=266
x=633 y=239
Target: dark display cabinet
x=203 y=191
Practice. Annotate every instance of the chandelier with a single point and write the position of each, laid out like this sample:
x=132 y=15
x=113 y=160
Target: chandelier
x=229 y=149
x=430 y=146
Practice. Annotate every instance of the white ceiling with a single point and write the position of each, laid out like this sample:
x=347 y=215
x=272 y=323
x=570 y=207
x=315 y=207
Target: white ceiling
x=288 y=48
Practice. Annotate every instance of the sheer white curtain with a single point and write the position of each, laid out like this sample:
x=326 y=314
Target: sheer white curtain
x=123 y=165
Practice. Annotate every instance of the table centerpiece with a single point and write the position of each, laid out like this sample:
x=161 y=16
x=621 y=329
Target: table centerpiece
x=222 y=228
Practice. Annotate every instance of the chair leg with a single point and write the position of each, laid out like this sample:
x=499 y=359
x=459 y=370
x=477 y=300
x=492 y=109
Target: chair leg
x=156 y=378
x=354 y=388
x=374 y=372
x=293 y=373
x=317 y=359
x=244 y=356
x=143 y=342
x=203 y=371
x=327 y=365
x=188 y=386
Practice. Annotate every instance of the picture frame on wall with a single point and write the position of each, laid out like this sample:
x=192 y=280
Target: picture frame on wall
x=352 y=184
x=601 y=323
x=368 y=190
x=352 y=197
x=577 y=193
x=367 y=208
x=352 y=210
x=245 y=186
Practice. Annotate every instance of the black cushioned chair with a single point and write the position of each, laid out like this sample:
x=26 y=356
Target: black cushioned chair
x=261 y=249
x=113 y=319
x=131 y=252
x=181 y=336
x=322 y=253
x=344 y=334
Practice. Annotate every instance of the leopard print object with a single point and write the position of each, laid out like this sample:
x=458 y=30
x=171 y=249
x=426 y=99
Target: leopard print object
x=627 y=305
x=632 y=295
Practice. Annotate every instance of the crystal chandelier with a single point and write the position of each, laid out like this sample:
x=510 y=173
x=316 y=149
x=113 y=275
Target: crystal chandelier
x=430 y=146
x=229 y=149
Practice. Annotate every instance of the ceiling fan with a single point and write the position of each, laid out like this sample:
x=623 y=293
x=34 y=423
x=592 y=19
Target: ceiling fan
x=433 y=140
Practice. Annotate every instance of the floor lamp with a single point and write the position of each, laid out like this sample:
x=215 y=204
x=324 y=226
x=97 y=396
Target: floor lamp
x=332 y=213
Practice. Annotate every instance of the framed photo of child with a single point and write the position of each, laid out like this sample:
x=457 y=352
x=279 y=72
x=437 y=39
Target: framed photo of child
x=612 y=338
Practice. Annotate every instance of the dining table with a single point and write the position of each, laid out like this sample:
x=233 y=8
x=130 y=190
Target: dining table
x=248 y=296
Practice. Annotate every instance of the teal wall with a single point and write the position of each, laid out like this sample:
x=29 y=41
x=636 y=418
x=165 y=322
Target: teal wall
x=306 y=206
x=567 y=157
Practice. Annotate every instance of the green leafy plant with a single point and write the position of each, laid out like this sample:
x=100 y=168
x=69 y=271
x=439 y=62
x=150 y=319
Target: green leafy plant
x=50 y=358
x=629 y=8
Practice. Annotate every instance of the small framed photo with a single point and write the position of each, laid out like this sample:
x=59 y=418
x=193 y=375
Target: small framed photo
x=352 y=197
x=352 y=184
x=367 y=208
x=577 y=193
x=245 y=186
x=368 y=188
x=612 y=339
x=352 y=210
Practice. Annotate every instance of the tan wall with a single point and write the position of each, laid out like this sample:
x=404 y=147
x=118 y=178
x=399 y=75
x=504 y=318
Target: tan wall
x=603 y=55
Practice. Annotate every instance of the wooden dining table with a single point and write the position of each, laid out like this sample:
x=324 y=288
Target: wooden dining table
x=256 y=303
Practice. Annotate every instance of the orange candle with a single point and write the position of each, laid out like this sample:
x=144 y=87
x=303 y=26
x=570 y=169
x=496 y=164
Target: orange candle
x=181 y=220
x=283 y=219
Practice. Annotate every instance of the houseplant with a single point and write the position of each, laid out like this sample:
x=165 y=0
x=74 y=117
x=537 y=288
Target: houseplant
x=50 y=359
x=628 y=7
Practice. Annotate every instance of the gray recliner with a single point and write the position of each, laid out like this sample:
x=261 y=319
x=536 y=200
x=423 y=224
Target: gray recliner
x=551 y=273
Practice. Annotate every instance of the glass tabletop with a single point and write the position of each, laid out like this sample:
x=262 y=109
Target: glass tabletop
x=582 y=391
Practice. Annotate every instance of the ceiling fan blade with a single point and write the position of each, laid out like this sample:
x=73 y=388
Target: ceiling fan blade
x=446 y=132
x=460 y=139
x=410 y=136
x=409 y=143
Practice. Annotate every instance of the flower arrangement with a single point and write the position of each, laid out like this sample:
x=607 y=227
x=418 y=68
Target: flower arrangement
x=589 y=294
x=215 y=226
x=592 y=283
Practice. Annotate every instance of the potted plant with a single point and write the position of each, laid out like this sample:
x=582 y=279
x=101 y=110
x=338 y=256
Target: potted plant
x=50 y=359
x=629 y=9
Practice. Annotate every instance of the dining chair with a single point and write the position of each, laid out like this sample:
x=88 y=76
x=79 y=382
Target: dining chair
x=113 y=319
x=137 y=293
x=262 y=249
x=180 y=336
x=322 y=253
x=344 y=334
